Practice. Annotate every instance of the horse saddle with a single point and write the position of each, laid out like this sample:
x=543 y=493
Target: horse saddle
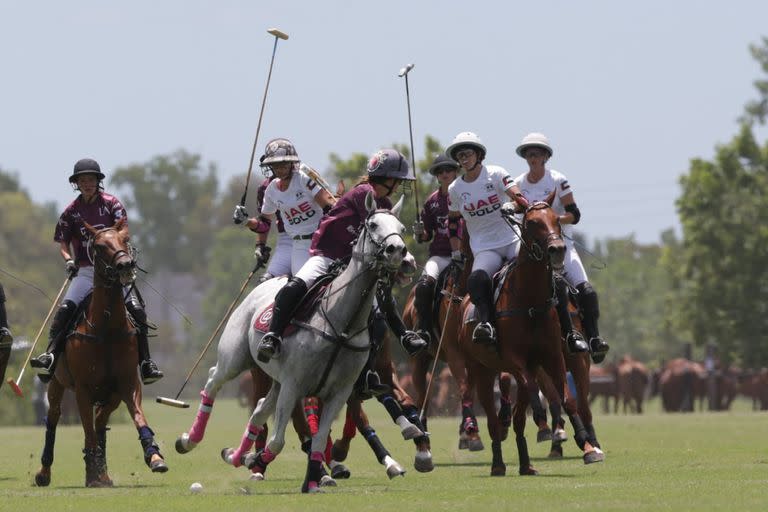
x=302 y=312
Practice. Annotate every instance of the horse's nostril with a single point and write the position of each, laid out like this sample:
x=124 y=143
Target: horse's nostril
x=404 y=251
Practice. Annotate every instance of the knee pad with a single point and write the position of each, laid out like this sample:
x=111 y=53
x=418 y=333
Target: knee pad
x=136 y=309
x=425 y=290
x=2 y=294
x=587 y=298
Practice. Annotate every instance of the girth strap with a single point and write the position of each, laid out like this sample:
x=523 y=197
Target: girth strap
x=531 y=312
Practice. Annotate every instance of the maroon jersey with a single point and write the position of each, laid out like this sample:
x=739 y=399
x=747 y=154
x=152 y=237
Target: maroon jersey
x=103 y=212
x=260 y=202
x=435 y=219
x=333 y=237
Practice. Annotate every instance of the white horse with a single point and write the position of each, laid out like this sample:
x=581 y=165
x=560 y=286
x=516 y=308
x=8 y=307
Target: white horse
x=323 y=358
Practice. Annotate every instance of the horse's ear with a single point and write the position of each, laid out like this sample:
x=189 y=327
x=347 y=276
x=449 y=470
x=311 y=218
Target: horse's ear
x=370 y=202
x=398 y=207
x=90 y=228
x=550 y=198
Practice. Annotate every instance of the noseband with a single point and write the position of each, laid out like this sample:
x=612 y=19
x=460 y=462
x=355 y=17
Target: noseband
x=536 y=248
x=380 y=244
x=107 y=269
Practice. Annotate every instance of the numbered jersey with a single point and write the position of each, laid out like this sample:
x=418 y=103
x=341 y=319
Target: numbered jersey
x=539 y=191
x=479 y=203
x=297 y=206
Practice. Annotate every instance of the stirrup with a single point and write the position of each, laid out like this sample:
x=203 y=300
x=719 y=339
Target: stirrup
x=150 y=372
x=484 y=333
x=426 y=335
x=575 y=343
x=269 y=347
x=599 y=349
x=6 y=339
x=43 y=362
x=373 y=385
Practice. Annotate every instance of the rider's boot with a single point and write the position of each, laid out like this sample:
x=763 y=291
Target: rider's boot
x=574 y=341
x=590 y=312
x=369 y=383
x=46 y=362
x=286 y=301
x=480 y=290
x=409 y=340
x=423 y=297
x=147 y=367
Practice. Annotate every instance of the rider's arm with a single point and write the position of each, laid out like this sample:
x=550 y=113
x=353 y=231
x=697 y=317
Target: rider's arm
x=572 y=213
x=453 y=230
x=514 y=194
x=65 y=251
x=260 y=225
x=324 y=199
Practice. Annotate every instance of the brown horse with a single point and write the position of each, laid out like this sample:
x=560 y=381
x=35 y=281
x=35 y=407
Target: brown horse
x=528 y=336
x=100 y=361
x=632 y=378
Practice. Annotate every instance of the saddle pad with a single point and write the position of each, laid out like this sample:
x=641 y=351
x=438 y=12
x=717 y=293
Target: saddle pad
x=303 y=311
x=470 y=314
x=261 y=324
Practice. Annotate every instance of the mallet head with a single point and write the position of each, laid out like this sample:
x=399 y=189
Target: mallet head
x=404 y=71
x=278 y=33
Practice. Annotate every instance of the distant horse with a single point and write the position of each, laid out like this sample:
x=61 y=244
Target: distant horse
x=681 y=382
x=602 y=383
x=100 y=361
x=322 y=358
x=528 y=336
x=632 y=379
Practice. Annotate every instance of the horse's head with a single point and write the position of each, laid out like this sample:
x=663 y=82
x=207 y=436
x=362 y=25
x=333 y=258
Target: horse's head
x=383 y=246
x=110 y=253
x=541 y=233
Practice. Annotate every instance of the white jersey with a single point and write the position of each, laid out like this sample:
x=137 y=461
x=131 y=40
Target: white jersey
x=480 y=203
x=539 y=191
x=297 y=206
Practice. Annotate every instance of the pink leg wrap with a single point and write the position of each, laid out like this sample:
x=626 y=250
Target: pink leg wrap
x=318 y=456
x=197 y=431
x=267 y=456
x=311 y=413
x=249 y=436
x=350 y=429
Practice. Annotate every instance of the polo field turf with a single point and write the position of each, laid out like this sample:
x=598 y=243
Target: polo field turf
x=656 y=461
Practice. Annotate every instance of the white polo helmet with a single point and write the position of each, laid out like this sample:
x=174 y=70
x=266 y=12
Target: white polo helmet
x=466 y=140
x=534 y=140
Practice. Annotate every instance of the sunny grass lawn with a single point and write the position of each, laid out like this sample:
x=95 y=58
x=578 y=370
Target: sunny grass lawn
x=656 y=461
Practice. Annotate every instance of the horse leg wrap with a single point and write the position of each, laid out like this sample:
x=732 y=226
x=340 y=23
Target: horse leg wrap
x=50 y=441
x=505 y=412
x=470 y=425
x=197 y=431
x=557 y=412
x=147 y=439
x=591 y=436
x=498 y=459
x=95 y=464
x=249 y=437
x=579 y=432
x=101 y=439
x=261 y=461
x=375 y=443
x=391 y=405
x=261 y=440
x=328 y=449
x=467 y=410
x=314 y=472
x=350 y=429
x=522 y=450
x=313 y=419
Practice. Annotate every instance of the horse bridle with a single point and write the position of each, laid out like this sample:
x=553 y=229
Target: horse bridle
x=108 y=270
x=378 y=244
x=534 y=248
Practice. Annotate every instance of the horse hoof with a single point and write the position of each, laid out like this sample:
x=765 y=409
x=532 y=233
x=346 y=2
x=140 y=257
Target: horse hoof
x=327 y=481
x=423 y=462
x=256 y=477
x=158 y=466
x=555 y=454
x=476 y=445
x=500 y=470
x=529 y=471
x=395 y=470
x=559 y=436
x=340 y=472
x=595 y=455
x=463 y=442
x=544 y=435
x=183 y=444
x=227 y=456
x=411 y=431
x=42 y=480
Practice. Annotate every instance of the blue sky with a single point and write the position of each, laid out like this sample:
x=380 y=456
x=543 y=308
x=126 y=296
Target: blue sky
x=627 y=93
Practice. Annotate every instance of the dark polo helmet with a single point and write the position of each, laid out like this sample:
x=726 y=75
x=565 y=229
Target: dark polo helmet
x=279 y=150
x=86 y=166
x=389 y=163
x=442 y=161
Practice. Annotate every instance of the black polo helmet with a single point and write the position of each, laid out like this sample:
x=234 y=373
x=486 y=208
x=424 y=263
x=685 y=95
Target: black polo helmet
x=86 y=166
x=389 y=163
x=443 y=161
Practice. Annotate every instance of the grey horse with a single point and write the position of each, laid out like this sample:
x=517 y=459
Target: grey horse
x=322 y=358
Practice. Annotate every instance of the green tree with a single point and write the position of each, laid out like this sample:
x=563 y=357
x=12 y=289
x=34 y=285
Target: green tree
x=756 y=111
x=170 y=199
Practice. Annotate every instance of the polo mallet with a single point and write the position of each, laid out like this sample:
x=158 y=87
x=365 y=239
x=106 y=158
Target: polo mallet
x=175 y=402
x=15 y=384
x=319 y=179
x=278 y=35
x=404 y=72
x=439 y=346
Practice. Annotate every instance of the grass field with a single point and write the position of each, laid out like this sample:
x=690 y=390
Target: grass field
x=702 y=461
